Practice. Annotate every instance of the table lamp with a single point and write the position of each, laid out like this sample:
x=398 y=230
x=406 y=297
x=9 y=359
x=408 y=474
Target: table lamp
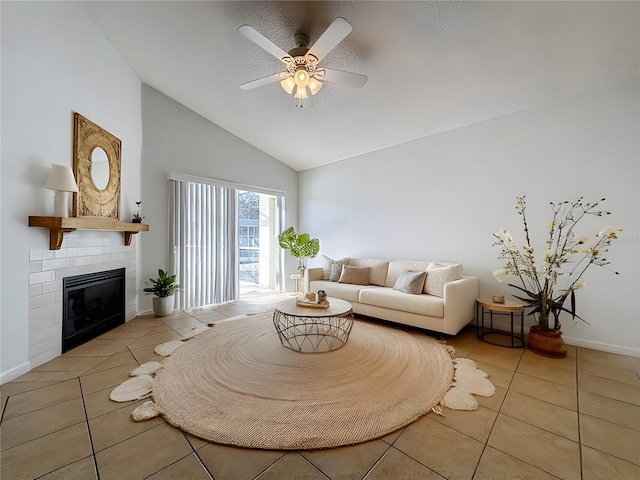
x=61 y=180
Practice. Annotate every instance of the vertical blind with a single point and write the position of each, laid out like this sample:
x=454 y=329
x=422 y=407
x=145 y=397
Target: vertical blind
x=203 y=223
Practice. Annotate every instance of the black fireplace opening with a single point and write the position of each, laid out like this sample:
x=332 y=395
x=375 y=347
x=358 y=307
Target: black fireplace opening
x=92 y=304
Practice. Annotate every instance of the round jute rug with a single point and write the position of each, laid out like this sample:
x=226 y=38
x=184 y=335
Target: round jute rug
x=237 y=385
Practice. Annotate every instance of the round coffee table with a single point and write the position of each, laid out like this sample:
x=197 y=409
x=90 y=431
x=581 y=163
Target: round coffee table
x=313 y=330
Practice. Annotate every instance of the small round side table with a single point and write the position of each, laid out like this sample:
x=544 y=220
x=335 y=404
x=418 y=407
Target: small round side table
x=485 y=304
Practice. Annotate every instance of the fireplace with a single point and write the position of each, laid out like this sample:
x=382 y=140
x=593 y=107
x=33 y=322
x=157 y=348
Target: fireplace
x=91 y=305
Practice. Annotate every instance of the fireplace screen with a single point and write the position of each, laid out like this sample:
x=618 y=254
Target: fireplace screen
x=92 y=304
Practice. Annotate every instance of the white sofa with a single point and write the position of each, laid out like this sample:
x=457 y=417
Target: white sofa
x=446 y=303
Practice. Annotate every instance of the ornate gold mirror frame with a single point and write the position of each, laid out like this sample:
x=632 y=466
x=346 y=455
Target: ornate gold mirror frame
x=90 y=201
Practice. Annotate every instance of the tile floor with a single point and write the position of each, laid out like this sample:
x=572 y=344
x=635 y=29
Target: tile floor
x=576 y=418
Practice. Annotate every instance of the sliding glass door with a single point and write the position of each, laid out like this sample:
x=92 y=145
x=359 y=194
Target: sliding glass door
x=259 y=257
x=223 y=239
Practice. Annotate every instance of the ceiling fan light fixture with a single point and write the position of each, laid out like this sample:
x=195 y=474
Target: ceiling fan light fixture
x=288 y=84
x=303 y=99
x=302 y=77
x=301 y=63
x=301 y=93
x=314 y=86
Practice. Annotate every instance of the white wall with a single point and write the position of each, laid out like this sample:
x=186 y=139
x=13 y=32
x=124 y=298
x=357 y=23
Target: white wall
x=54 y=62
x=177 y=139
x=442 y=197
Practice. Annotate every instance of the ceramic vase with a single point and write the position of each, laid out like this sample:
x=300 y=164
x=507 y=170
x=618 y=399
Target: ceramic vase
x=163 y=306
x=547 y=344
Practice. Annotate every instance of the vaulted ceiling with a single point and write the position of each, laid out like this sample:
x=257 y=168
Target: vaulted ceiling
x=431 y=66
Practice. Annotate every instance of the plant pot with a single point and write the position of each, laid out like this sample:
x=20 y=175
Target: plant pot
x=547 y=344
x=163 y=306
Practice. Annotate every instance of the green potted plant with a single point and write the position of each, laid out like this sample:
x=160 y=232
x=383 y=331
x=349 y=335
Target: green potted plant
x=546 y=279
x=163 y=288
x=301 y=246
x=137 y=218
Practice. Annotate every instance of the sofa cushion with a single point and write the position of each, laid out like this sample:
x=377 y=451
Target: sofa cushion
x=327 y=262
x=378 y=273
x=410 y=282
x=393 y=299
x=440 y=273
x=355 y=275
x=345 y=291
x=397 y=267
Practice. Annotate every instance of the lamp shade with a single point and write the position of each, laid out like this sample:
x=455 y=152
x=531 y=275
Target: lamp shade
x=314 y=86
x=287 y=84
x=301 y=92
x=61 y=178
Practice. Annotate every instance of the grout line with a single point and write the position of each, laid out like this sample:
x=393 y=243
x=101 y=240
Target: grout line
x=578 y=414
x=391 y=447
x=204 y=467
x=278 y=461
x=498 y=413
x=4 y=408
x=133 y=436
x=379 y=459
x=526 y=463
x=86 y=418
x=312 y=464
x=179 y=460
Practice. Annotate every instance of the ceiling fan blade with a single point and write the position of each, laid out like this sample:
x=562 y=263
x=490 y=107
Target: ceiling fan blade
x=345 y=78
x=276 y=77
x=262 y=41
x=331 y=37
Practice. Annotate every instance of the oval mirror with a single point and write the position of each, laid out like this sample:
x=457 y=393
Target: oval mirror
x=100 y=168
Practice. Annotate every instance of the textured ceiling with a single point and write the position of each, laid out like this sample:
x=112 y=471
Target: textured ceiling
x=431 y=66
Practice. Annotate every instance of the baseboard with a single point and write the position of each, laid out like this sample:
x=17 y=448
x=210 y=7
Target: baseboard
x=604 y=347
x=14 y=372
x=146 y=312
x=504 y=325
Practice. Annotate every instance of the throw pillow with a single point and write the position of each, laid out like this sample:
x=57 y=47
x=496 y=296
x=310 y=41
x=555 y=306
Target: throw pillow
x=410 y=282
x=438 y=274
x=355 y=275
x=336 y=271
x=327 y=265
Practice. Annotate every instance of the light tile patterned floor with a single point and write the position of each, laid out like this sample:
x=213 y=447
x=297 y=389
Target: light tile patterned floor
x=577 y=418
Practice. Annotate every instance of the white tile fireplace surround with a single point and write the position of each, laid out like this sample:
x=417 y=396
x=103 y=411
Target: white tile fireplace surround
x=82 y=251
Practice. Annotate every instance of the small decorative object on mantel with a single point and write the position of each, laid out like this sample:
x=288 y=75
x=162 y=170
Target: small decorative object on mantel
x=62 y=181
x=301 y=246
x=565 y=259
x=136 y=216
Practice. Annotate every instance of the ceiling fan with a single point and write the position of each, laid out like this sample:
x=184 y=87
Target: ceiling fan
x=302 y=76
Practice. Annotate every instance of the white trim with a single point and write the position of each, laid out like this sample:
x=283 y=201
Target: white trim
x=14 y=372
x=503 y=324
x=604 y=347
x=181 y=177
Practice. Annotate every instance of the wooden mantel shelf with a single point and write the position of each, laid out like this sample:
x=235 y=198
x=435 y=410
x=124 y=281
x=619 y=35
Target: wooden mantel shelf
x=58 y=226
